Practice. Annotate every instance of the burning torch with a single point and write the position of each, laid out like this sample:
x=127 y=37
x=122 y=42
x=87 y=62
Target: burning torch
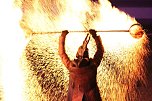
x=135 y=31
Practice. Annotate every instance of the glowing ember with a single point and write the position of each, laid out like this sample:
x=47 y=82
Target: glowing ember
x=136 y=31
x=45 y=76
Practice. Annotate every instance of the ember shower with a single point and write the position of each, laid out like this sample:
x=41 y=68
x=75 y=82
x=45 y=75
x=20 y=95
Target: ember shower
x=122 y=66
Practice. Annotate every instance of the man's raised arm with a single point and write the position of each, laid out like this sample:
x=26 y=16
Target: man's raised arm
x=100 y=49
x=65 y=59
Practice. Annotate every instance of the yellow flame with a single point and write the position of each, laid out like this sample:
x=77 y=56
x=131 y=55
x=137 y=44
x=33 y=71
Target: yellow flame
x=120 y=67
x=12 y=42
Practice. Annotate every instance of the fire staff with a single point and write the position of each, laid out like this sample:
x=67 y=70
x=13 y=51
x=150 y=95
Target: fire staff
x=83 y=70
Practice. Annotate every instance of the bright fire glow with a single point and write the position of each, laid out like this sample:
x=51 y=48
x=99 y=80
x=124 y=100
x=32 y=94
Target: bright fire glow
x=12 y=43
x=45 y=77
x=120 y=68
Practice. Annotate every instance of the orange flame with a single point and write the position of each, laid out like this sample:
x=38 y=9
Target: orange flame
x=120 y=67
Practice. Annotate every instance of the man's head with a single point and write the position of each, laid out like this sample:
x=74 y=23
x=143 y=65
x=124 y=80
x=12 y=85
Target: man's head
x=82 y=53
x=83 y=50
x=82 y=57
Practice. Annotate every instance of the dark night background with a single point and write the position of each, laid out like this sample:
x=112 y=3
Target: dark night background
x=140 y=9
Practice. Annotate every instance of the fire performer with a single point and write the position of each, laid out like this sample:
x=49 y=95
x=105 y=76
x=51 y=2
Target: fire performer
x=83 y=70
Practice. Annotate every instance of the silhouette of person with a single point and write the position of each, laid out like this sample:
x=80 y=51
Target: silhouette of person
x=83 y=70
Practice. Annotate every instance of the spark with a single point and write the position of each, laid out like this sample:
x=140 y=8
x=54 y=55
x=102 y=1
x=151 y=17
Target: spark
x=46 y=77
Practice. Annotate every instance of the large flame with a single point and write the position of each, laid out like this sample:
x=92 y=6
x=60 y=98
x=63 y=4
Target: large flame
x=12 y=42
x=123 y=63
x=42 y=71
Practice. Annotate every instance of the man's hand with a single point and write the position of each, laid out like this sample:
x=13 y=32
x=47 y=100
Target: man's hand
x=93 y=32
x=64 y=33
